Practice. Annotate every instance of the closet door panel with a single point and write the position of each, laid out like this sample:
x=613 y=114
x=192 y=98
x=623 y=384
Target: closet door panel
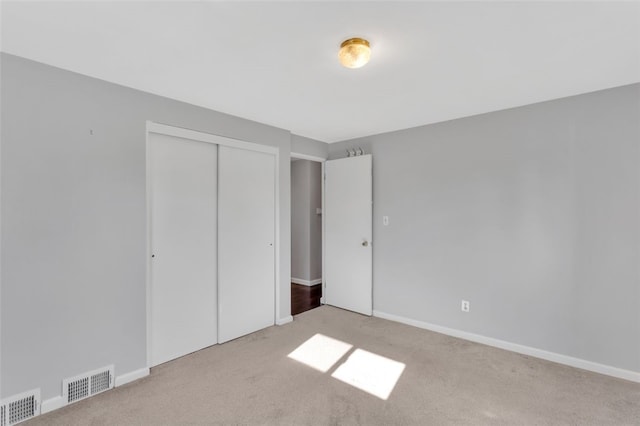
x=183 y=215
x=246 y=235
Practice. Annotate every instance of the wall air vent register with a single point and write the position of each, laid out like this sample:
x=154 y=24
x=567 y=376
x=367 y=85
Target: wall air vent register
x=88 y=384
x=19 y=407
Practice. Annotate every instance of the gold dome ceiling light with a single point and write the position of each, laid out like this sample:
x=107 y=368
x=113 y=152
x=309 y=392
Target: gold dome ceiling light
x=354 y=52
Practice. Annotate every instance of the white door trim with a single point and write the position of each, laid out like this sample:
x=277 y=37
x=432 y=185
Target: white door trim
x=180 y=132
x=324 y=255
x=322 y=161
x=308 y=157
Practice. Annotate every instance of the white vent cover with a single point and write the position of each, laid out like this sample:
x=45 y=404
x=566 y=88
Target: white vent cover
x=19 y=407
x=88 y=384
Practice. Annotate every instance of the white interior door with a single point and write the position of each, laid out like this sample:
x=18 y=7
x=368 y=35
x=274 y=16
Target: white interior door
x=246 y=235
x=348 y=234
x=183 y=204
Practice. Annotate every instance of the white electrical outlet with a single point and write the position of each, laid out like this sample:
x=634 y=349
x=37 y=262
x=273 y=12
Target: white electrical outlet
x=385 y=220
x=465 y=306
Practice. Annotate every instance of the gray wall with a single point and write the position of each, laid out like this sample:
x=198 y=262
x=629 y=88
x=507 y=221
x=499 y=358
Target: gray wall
x=315 y=220
x=300 y=229
x=307 y=146
x=532 y=214
x=73 y=220
x=306 y=225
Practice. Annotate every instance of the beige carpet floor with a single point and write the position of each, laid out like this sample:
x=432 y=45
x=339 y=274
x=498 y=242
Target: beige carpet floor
x=252 y=381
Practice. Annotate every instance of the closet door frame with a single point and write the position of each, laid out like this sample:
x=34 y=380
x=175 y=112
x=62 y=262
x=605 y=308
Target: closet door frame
x=164 y=129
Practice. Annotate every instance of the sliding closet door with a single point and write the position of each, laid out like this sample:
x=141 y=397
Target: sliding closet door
x=183 y=204
x=246 y=233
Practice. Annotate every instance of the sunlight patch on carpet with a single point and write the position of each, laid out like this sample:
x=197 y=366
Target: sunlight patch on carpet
x=371 y=373
x=320 y=352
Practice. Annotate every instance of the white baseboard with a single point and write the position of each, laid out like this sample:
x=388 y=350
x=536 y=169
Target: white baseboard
x=306 y=282
x=285 y=320
x=521 y=349
x=131 y=376
x=52 y=404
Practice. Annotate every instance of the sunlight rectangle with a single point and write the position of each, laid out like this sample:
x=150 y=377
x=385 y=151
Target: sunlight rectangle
x=320 y=352
x=371 y=373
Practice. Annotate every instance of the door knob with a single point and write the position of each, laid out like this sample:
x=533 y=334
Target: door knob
x=365 y=244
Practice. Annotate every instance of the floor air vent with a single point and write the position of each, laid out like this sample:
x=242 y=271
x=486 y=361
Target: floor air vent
x=20 y=407
x=87 y=384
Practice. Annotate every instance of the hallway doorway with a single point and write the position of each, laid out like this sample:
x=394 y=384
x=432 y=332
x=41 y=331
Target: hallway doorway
x=306 y=235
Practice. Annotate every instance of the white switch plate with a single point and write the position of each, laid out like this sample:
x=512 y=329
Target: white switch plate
x=464 y=306
x=385 y=220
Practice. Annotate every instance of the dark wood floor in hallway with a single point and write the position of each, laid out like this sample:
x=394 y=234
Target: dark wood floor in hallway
x=304 y=298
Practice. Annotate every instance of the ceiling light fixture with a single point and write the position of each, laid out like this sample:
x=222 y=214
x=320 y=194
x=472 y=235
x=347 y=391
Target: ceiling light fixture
x=354 y=52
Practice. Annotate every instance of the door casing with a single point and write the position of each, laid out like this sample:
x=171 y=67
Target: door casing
x=322 y=161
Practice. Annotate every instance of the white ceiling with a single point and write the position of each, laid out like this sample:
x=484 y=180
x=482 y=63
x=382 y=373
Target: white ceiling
x=276 y=62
